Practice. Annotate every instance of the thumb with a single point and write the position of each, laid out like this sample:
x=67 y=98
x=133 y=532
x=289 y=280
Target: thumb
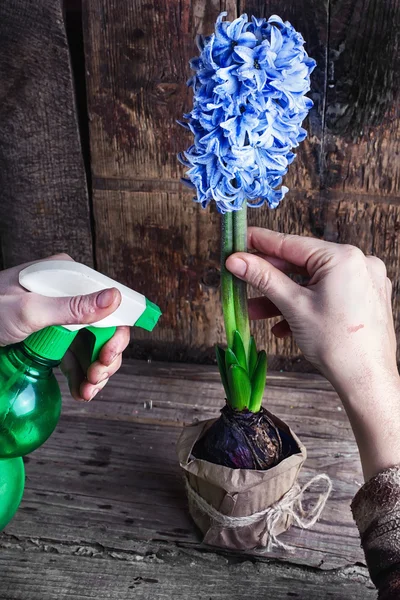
x=41 y=311
x=266 y=278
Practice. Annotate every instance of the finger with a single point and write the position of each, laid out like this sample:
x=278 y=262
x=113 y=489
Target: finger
x=267 y=279
x=389 y=287
x=37 y=312
x=74 y=374
x=89 y=391
x=281 y=330
x=115 y=346
x=262 y=308
x=97 y=372
x=389 y=292
x=283 y=265
x=294 y=249
x=376 y=266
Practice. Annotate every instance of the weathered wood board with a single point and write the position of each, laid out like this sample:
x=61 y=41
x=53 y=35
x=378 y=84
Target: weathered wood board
x=44 y=207
x=107 y=486
x=53 y=572
x=344 y=182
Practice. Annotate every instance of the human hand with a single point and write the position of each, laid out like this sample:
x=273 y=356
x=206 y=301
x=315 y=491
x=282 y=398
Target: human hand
x=341 y=318
x=23 y=313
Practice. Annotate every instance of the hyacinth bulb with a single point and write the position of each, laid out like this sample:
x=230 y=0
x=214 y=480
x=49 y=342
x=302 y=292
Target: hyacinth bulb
x=244 y=440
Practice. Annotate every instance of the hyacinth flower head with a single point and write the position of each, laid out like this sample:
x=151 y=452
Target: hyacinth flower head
x=249 y=101
x=249 y=87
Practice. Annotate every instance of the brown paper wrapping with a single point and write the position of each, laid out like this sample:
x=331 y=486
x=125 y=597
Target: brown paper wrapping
x=237 y=492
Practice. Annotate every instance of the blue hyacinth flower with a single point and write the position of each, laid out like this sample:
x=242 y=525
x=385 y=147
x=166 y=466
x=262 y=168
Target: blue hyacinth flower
x=249 y=87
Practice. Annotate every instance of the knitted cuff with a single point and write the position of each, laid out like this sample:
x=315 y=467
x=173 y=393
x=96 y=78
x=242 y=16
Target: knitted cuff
x=376 y=511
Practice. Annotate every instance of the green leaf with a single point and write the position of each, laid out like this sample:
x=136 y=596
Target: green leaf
x=230 y=359
x=253 y=357
x=258 y=382
x=239 y=351
x=220 y=353
x=239 y=386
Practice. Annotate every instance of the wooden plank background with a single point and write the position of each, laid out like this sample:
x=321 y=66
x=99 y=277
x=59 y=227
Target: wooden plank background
x=344 y=183
x=44 y=205
x=137 y=223
x=104 y=513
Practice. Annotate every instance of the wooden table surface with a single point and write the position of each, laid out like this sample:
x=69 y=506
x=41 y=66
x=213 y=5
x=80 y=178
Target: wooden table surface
x=104 y=513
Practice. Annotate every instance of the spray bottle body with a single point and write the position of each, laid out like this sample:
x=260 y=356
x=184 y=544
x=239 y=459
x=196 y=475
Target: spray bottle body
x=30 y=400
x=12 y=482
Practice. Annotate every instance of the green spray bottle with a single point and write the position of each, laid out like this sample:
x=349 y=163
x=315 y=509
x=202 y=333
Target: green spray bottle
x=30 y=398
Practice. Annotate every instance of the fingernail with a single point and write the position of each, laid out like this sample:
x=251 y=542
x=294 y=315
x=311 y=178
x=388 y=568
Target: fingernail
x=105 y=298
x=94 y=394
x=237 y=266
x=106 y=376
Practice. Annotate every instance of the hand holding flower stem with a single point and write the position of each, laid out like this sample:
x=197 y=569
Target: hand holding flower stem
x=249 y=89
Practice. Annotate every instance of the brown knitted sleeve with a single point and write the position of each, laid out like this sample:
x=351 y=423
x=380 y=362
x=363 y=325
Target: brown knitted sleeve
x=376 y=510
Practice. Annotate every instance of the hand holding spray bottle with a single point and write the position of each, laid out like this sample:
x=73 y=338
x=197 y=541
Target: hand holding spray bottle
x=30 y=398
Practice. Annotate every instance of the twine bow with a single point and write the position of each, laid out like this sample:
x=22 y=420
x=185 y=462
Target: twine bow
x=290 y=505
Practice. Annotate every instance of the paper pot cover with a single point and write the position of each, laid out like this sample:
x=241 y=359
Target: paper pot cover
x=237 y=492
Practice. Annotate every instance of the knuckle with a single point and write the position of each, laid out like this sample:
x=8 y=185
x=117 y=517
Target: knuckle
x=378 y=265
x=23 y=312
x=79 y=307
x=260 y=279
x=352 y=252
x=283 y=237
x=25 y=318
x=352 y=256
x=116 y=365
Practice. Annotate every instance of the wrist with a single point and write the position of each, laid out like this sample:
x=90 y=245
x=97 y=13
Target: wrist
x=370 y=387
x=372 y=403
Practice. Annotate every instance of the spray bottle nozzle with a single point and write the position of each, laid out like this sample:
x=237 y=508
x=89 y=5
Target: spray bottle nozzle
x=149 y=318
x=57 y=278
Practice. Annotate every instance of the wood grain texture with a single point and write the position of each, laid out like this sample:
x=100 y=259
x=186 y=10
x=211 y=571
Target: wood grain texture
x=362 y=136
x=164 y=248
x=105 y=512
x=147 y=230
x=149 y=234
x=82 y=572
x=109 y=474
x=44 y=205
x=137 y=65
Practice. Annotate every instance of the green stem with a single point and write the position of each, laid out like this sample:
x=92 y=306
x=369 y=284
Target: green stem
x=239 y=286
x=227 y=293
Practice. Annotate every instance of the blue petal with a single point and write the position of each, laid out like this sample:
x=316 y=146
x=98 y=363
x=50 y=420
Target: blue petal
x=235 y=28
x=245 y=53
x=249 y=102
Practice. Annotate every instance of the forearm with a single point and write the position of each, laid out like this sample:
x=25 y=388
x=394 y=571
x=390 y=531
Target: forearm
x=373 y=406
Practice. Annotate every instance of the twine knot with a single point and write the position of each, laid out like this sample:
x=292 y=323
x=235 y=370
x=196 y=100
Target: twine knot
x=290 y=505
